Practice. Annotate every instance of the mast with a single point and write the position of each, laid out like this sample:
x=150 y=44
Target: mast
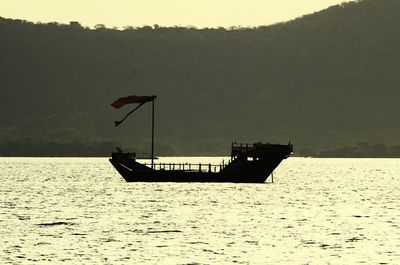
x=141 y=100
x=152 y=134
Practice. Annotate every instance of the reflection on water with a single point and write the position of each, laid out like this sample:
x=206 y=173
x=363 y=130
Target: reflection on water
x=318 y=211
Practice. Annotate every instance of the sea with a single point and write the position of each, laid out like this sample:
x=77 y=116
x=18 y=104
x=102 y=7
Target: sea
x=317 y=211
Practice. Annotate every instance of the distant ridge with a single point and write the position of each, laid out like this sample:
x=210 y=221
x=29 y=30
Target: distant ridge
x=323 y=80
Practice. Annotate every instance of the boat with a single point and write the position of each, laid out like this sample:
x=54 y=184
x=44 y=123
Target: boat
x=248 y=163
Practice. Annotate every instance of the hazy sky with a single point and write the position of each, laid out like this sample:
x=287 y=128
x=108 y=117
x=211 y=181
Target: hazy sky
x=198 y=13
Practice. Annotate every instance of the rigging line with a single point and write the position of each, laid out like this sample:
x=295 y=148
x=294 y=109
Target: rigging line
x=116 y=123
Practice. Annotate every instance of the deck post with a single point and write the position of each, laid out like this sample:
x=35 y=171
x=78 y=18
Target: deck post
x=272 y=177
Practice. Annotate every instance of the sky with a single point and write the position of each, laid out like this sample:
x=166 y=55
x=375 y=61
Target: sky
x=136 y=13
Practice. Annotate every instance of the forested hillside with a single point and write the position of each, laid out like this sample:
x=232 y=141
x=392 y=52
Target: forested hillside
x=323 y=80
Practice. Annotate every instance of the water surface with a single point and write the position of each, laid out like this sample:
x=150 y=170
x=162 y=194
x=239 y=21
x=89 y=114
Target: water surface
x=318 y=211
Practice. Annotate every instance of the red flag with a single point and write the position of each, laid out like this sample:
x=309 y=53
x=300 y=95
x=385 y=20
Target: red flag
x=131 y=99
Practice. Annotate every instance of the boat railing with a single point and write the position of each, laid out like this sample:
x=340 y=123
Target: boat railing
x=200 y=167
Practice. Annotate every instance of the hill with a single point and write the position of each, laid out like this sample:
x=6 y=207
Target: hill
x=323 y=80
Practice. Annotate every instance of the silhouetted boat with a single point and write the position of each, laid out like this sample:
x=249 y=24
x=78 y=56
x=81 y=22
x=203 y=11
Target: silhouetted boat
x=248 y=163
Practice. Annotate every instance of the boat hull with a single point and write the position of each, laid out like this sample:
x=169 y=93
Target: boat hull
x=239 y=172
x=248 y=164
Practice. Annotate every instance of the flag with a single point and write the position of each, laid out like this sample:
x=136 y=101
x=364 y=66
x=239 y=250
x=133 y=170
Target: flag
x=131 y=99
